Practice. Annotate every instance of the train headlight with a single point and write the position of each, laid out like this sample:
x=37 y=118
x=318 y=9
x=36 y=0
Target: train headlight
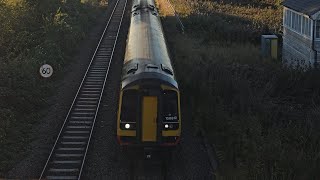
x=169 y=126
x=127 y=126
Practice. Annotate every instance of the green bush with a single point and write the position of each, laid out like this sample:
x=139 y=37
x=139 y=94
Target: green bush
x=261 y=117
x=33 y=33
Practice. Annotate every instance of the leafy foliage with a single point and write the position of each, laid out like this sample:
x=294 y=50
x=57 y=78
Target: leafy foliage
x=262 y=118
x=34 y=32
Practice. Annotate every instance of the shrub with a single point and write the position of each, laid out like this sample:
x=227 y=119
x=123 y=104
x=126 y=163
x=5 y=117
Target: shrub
x=261 y=117
x=32 y=33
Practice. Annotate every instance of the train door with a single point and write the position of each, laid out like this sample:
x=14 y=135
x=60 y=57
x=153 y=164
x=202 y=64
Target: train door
x=149 y=118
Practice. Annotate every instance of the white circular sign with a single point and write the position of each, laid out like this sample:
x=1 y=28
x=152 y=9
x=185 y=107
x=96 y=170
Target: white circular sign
x=46 y=70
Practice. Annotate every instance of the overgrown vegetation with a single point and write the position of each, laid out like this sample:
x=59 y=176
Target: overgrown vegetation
x=262 y=118
x=34 y=32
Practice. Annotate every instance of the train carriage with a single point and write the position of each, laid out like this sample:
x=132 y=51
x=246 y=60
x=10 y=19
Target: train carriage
x=149 y=103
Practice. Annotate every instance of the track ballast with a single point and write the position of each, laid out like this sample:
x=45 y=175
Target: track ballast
x=67 y=157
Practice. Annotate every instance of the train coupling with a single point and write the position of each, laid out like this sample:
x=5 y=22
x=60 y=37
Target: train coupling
x=148 y=152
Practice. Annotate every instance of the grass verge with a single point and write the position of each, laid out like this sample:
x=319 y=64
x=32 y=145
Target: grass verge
x=262 y=118
x=33 y=33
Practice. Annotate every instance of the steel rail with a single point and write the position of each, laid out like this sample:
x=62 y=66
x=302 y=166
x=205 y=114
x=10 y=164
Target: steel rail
x=114 y=47
x=79 y=90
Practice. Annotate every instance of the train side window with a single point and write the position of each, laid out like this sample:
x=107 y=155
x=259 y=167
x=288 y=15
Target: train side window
x=129 y=106
x=170 y=106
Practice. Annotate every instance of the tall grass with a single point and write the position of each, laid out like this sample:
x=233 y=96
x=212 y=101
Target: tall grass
x=262 y=118
x=32 y=33
x=230 y=20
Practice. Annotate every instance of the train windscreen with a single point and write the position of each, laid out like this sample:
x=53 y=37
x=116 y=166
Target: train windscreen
x=129 y=109
x=170 y=106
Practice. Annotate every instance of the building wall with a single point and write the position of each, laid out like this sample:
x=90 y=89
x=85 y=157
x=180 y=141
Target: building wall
x=317 y=39
x=318 y=60
x=297 y=49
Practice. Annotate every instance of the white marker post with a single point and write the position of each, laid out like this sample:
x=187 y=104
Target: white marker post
x=46 y=70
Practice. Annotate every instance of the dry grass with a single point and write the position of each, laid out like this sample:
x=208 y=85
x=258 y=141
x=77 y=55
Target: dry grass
x=165 y=8
x=267 y=14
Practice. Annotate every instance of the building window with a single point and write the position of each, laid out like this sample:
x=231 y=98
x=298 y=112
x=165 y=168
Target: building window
x=304 y=21
x=308 y=27
x=294 y=21
x=298 y=23
x=318 y=29
x=290 y=18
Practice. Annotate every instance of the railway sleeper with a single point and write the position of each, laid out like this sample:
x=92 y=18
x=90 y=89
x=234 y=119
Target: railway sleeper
x=62 y=177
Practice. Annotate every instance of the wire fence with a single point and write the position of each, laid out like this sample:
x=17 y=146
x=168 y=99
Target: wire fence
x=177 y=16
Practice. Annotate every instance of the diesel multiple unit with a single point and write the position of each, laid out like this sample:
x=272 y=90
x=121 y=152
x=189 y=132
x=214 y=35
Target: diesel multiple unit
x=149 y=103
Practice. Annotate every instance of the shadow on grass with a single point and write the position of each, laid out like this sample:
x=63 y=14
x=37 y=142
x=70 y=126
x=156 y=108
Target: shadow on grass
x=262 y=118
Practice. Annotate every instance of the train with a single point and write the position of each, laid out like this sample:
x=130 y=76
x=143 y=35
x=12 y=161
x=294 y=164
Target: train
x=149 y=112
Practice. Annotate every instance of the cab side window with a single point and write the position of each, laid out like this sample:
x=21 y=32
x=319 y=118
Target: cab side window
x=318 y=29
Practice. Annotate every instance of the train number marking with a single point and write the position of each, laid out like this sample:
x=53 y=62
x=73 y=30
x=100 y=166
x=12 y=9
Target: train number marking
x=171 y=118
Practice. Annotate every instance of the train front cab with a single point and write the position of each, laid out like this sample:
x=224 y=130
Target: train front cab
x=149 y=117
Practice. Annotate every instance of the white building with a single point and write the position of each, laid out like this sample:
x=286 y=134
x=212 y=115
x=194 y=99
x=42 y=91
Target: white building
x=301 y=33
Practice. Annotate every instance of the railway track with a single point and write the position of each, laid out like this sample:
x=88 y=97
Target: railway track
x=155 y=171
x=68 y=155
x=155 y=168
